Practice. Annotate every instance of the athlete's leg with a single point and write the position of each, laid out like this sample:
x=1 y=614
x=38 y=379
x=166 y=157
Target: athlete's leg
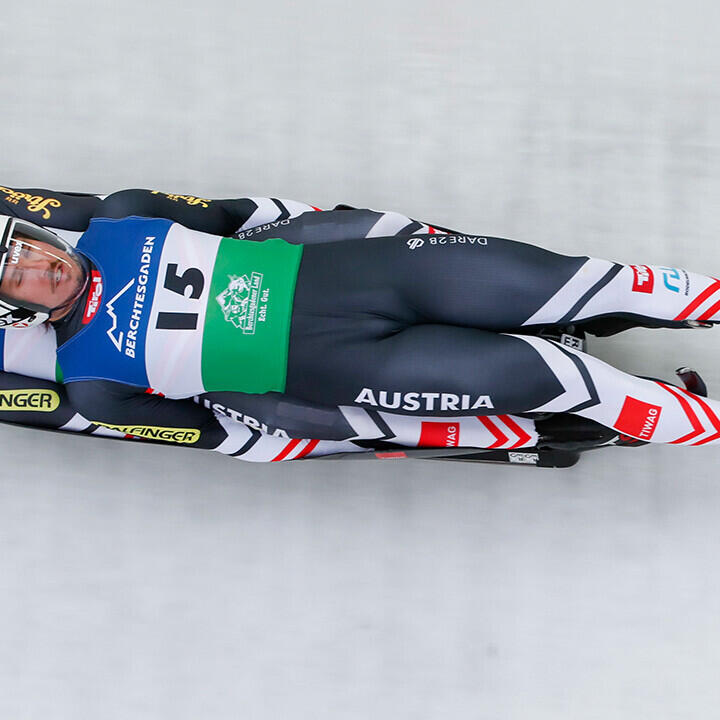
x=284 y=416
x=377 y=324
x=442 y=371
x=499 y=284
x=437 y=370
x=649 y=410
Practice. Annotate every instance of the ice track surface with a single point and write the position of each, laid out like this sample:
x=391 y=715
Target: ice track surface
x=151 y=582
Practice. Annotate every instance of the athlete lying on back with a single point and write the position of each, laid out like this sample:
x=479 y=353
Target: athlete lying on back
x=275 y=425
x=350 y=308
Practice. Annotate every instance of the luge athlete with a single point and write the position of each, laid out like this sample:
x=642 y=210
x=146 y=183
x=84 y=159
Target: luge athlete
x=298 y=429
x=418 y=324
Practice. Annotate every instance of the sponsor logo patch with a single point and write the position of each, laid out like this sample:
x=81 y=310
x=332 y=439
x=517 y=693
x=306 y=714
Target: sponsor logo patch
x=16 y=251
x=261 y=228
x=94 y=297
x=189 y=199
x=444 y=239
x=185 y=436
x=439 y=434
x=393 y=400
x=638 y=419
x=35 y=203
x=644 y=279
x=37 y=400
x=674 y=279
x=240 y=301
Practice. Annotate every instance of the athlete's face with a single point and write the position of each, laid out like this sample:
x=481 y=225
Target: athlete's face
x=38 y=272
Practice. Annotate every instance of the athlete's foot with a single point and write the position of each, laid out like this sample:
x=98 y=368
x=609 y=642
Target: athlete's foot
x=572 y=432
x=692 y=381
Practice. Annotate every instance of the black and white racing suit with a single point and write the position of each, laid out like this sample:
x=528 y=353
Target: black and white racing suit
x=422 y=323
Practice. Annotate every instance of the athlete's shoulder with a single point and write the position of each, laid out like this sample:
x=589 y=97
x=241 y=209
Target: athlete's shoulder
x=29 y=351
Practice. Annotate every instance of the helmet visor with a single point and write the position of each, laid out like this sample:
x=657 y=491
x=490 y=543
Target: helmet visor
x=38 y=270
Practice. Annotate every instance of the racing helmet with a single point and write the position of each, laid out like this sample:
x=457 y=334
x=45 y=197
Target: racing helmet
x=40 y=273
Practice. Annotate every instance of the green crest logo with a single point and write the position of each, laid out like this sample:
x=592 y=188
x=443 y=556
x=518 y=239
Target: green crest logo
x=239 y=301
